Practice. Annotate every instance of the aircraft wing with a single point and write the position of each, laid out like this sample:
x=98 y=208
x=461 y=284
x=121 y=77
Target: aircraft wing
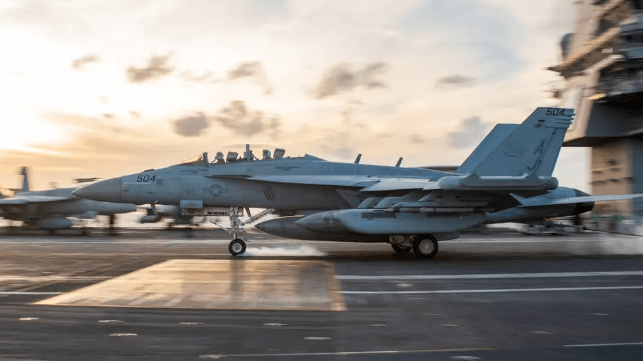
x=455 y=182
x=27 y=199
x=362 y=182
x=357 y=181
x=396 y=184
x=583 y=199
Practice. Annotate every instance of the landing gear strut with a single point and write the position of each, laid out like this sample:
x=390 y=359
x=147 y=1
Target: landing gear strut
x=112 y=220
x=238 y=244
x=401 y=249
x=401 y=244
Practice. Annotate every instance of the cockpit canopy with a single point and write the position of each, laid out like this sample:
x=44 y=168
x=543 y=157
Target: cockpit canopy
x=232 y=157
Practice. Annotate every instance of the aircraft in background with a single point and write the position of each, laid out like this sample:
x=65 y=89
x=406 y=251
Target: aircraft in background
x=508 y=178
x=157 y=213
x=51 y=209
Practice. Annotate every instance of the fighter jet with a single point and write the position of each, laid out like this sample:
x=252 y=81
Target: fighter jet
x=50 y=209
x=507 y=178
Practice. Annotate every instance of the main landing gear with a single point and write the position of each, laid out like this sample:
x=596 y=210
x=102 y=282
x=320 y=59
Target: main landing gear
x=111 y=230
x=238 y=244
x=401 y=249
x=424 y=246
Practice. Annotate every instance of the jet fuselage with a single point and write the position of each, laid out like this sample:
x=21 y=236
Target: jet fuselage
x=224 y=185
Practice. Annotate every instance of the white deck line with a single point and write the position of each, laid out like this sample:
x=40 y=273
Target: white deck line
x=488 y=276
x=493 y=290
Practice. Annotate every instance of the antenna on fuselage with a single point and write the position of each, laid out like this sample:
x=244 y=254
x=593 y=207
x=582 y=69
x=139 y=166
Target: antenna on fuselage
x=399 y=162
x=359 y=157
x=248 y=154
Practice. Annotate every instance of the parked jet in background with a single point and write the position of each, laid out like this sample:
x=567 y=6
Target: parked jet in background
x=50 y=209
x=508 y=178
x=159 y=212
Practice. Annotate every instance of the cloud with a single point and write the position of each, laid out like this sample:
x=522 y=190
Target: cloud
x=416 y=139
x=238 y=118
x=251 y=69
x=470 y=133
x=157 y=67
x=456 y=80
x=342 y=77
x=205 y=77
x=245 y=70
x=235 y=117
x=79 y=64
x=191 y=126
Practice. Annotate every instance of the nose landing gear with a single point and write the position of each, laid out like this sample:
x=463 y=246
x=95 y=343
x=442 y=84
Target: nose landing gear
x=238 y=245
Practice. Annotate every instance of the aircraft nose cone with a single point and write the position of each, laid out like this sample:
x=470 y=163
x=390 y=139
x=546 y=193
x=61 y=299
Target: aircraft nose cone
x=105 y=191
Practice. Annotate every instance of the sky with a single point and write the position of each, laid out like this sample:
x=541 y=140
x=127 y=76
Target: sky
x=106 y=88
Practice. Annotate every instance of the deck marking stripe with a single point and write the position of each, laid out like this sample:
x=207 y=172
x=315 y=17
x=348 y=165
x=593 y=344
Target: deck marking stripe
x=20 y=293
x=489 y=276
x=346 y=353
x=532 y=241
x=50 y=278
x=607 y=344
x=493 y=290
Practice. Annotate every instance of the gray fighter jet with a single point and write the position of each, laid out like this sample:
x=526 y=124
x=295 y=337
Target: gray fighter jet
x=508 y=178
x=50 y=209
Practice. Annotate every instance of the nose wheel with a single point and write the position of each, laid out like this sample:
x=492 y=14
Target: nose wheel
x=237 y=247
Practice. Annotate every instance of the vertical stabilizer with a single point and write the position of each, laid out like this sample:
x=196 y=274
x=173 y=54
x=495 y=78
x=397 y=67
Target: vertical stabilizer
x=532 y=147
x=498 y=134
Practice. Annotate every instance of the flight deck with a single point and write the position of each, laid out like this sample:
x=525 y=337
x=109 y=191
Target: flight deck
x=159 y=295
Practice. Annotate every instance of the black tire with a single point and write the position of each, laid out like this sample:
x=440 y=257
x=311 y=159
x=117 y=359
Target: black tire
x=401 y=250
x=237 y=247
x=425 y=247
